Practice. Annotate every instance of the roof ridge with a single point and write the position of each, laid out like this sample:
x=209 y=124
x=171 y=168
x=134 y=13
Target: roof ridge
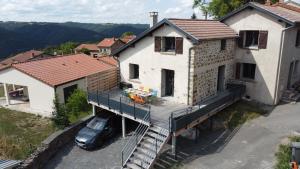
x=191 y=19
x=289 y=7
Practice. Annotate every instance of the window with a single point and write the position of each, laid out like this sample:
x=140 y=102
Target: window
x=68 y=91
x=251 y=39
x=134 y=71
x=298 y=39
x=95 y=55
x=168 y=44
x=249 y=70
x=223 y=44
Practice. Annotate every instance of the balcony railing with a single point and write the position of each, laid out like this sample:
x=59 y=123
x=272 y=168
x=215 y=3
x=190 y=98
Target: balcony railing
x=182 y=118
x=123 y=105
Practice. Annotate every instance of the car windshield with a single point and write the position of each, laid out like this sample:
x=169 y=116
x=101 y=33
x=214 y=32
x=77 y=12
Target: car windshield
x=97 y=124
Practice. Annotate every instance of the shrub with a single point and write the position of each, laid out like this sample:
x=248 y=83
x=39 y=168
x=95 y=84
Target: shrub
x=77 y=103
x=60 y=117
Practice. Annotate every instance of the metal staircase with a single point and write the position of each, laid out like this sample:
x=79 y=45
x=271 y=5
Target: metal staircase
x=147 y=149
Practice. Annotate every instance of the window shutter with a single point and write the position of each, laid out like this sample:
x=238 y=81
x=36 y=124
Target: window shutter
x=240 y=39
x=179 y=45
x=238 y=71
x=263 y=39
x=157 y=44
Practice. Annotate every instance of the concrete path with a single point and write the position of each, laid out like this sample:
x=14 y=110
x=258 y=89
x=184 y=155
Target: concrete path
x=250 y=147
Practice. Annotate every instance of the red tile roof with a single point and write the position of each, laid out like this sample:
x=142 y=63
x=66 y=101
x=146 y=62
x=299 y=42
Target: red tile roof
x=60 y=70
x=204 y=29
x=91 y=47
x=109 y=60
x=21 y=57
x=288 y=12
x=128 y=38
x=107 y=42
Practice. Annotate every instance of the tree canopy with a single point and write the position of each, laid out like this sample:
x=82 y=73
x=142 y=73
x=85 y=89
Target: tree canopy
x=219 y=8
x=63 y=49
x=127 y=34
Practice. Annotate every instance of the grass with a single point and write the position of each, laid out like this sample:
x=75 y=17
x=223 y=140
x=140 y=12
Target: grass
x=1 y=91
x=239 y=113
x=284 y=154
x=21 y=133
x=74 y=118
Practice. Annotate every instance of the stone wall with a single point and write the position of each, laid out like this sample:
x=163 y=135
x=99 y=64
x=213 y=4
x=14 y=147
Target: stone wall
x=205 y=61
x=52 y=145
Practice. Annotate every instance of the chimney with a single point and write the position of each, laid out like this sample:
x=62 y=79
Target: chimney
x=154 y=18
x=32 y=55
x=268 y=2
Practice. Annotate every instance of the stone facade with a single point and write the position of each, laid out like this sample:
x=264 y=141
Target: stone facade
x=205 y=61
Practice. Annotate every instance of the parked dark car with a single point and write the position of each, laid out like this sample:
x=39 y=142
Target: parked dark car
x=95 y=133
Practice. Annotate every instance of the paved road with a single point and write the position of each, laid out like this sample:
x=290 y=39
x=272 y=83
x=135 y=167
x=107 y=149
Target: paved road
x=251 y=147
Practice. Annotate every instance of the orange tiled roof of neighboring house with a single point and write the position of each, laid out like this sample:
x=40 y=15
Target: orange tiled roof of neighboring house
x=109 y=60
x=21 y=57
x=60 y=70
x=91 y=47
x=107 y=42
x=128 y=38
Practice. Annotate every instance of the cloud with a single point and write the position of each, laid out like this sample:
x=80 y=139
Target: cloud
x=96 y=11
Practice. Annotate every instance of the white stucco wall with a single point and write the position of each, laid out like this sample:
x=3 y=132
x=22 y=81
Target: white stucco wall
x=290 y=53
x=59 y=90
x=262 y=88
x=40 y=94
x=151 y=64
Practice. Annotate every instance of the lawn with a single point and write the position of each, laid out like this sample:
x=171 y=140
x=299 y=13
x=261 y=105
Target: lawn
x=239 y=113
x=284 y=154
x=21 y=133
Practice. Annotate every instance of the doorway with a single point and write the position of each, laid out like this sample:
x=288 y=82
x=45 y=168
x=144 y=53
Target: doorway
x=167 y=82
x=221 y=78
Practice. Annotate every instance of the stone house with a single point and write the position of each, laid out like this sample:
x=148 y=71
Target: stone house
x=109 y=45
x=185 y=61
x=268 y=51
x=93 y=49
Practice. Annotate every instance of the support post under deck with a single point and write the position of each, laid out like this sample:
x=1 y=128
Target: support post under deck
x=123 y=127
x=94 y=110
x=174 y=146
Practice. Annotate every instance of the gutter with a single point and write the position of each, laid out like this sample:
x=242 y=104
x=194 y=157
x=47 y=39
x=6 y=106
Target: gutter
x=279 y=63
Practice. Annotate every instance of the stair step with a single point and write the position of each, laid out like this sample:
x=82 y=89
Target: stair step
x=150 y=154
x=155 y=135
x=133 y=166
x=140 y=162
x=160 y=130
x=143 y=156
x=152 y=140
x=150 y=146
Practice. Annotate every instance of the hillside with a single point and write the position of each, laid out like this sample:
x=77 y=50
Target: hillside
x=21 y=36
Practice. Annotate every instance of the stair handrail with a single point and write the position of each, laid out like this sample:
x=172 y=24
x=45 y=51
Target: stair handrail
x=134 y=140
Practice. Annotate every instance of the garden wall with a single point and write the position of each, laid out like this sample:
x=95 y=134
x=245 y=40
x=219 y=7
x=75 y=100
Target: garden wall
x=52 y=144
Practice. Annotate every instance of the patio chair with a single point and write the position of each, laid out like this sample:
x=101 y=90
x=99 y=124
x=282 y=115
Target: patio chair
x=147 y=89
x=154 y=93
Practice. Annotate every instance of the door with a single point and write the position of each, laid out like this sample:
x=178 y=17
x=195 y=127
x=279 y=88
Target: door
x=289 y=84
x=68 y=91
x=221 y=78
x=167 y=82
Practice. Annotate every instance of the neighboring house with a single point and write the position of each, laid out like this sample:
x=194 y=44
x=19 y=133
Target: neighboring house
x=43 y=79
x=128 y=38
x=23 y=57
x=109 y=45
x=185 y=60
x=93 y=49
x=268 y=51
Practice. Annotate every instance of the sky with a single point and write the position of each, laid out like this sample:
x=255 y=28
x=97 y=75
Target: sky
x=94 y=11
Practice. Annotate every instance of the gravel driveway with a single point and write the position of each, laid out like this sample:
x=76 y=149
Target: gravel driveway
x=72 y=157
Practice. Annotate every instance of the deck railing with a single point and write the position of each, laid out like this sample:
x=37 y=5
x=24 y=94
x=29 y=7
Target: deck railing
x=182 y=118
x=121 y=104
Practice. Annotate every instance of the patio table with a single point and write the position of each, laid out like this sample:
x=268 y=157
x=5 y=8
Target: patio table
x=140 y=94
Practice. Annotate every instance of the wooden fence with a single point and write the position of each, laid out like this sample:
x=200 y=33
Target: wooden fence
x=103 y=81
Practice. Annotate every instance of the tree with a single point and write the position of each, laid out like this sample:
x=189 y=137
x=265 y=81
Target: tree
x=219 y=8
x=127 y=34
x=63 y=49
x=60 y=117
x=85 y=51
x=194 y=16
x=77 y=103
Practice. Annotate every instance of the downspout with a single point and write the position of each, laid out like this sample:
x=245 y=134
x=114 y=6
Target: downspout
x=279 y=64
x=189 y=74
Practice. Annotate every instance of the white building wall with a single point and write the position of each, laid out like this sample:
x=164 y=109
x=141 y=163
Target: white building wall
x=59 y=90
x=262 y=88
x=151 y=64
x=41 y=95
